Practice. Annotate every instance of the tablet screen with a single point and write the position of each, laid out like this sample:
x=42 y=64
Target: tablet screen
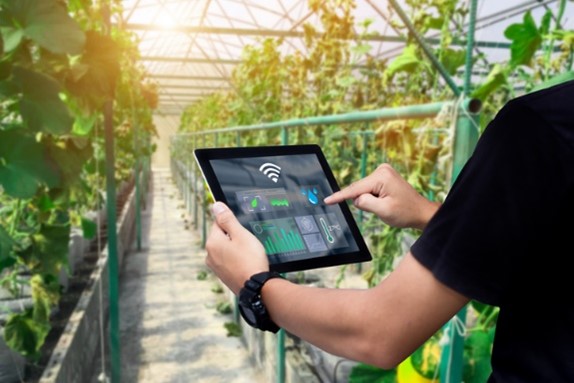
x=279 y=198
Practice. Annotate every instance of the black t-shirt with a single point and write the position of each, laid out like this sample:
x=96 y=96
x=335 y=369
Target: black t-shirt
x=504 y=235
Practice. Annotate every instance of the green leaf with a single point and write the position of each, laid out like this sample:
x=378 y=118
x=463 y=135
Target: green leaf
x=25 y=335
x=496 y=78
x=526 y=40
x=406 y=62
x=70 y=159
x=558 y=79
x=96 y=75
x=477 y=354
x=24 y=165
x=453 y=59
x=12 y=38
x=361 y=49
x=49 y=250
x=83 y=125
x=47 y=23
x=6 y=246
x=45 y=294
x=545 y=22
x=426 y=359
x=434 y=23
x=5 y=70
x=45 y=203
x=41 y=106
x=89 y=228
x=364 y=373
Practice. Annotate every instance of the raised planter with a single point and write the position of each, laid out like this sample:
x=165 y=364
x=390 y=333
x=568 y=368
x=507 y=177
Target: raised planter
x=72 y=358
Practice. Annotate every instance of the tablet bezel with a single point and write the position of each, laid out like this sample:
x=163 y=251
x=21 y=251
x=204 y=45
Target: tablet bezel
x=203 y=156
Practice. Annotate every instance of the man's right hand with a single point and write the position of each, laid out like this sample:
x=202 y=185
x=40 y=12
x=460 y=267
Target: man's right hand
x=385 y=193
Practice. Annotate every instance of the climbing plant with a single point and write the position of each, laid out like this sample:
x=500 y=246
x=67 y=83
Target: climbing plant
x=59 y=63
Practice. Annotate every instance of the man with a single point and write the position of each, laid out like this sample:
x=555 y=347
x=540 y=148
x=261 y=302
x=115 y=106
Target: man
x=501 y=237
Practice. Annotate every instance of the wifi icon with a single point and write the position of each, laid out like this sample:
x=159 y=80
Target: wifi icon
x=272 y=171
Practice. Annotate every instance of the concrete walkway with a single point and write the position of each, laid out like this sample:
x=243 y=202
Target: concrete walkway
x=170 y=329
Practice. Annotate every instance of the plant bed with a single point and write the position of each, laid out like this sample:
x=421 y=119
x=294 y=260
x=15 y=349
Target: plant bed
x=77 y=291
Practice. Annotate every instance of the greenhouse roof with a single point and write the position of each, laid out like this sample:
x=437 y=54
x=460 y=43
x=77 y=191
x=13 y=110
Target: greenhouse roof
x=190 y=47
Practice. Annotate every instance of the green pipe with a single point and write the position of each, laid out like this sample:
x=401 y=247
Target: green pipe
x=466 y=136
x=280 y=356
x=137 y=185
x=236 y=299
x=428 y=52
x=280 y=373
x=195 y=194
x=284 y=136
x=469 y=48
x=204 y=207
x=363 y=170
x=113 y=266
x=384 y=114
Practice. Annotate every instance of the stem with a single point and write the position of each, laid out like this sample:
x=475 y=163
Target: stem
x=561 y=9
x=17 y=214
x=490 y=318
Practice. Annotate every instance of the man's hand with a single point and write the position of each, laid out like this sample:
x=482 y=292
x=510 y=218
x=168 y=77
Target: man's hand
x=385 y=193
x=233 y=253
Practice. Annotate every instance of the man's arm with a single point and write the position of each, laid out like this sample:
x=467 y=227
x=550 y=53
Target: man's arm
x=379 y=326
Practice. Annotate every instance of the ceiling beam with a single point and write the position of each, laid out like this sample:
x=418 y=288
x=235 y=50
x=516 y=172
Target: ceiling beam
x=191 y=86
x=189 y=29
x=188 y=60
x=180 y=95
x=185 y=77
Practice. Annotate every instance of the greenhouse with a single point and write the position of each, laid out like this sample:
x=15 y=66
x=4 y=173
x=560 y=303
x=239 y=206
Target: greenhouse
x=448 y=125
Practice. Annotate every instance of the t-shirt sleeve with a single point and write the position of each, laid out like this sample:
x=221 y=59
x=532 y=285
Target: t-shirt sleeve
x=477 y=241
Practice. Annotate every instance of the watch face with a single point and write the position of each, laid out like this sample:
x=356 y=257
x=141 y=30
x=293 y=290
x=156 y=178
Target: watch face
x=248 y=315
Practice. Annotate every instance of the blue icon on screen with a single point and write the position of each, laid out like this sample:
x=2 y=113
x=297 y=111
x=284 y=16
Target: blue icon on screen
x=312 y=195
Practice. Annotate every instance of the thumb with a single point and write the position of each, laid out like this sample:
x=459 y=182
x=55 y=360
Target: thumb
x=225 y=218
x=370 y=203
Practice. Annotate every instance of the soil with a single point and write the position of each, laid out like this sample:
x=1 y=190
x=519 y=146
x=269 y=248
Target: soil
x=70 y=297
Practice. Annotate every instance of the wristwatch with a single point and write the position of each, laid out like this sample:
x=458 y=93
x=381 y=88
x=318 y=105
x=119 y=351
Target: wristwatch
x=251 y=305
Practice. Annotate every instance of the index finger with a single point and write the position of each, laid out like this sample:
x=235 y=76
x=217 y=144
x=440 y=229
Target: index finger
x=352 y=191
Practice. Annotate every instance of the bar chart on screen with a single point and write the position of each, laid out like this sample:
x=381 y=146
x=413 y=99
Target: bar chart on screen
x=278 y=235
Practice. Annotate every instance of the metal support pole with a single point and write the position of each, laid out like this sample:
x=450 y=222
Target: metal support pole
x=466 y=136
x=363 y=169
x=112 y=246
x=281 y=356
x=284 y=136
x=204 y=206
x=194 y=180
x=236 y=299
x=280 y=373
x=113 y=266
x=428 y=52
x=364 y=157
x=137 y=167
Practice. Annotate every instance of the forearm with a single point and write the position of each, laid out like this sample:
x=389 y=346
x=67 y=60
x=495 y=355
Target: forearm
x=379 y=326
x=343 y=322
x=320 y=316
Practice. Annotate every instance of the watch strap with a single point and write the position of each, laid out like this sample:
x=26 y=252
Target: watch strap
x=250 y=295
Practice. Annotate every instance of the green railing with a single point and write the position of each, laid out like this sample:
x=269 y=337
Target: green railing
x=190 y=182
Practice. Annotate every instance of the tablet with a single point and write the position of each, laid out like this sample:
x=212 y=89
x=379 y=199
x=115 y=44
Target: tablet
x=277 y=193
